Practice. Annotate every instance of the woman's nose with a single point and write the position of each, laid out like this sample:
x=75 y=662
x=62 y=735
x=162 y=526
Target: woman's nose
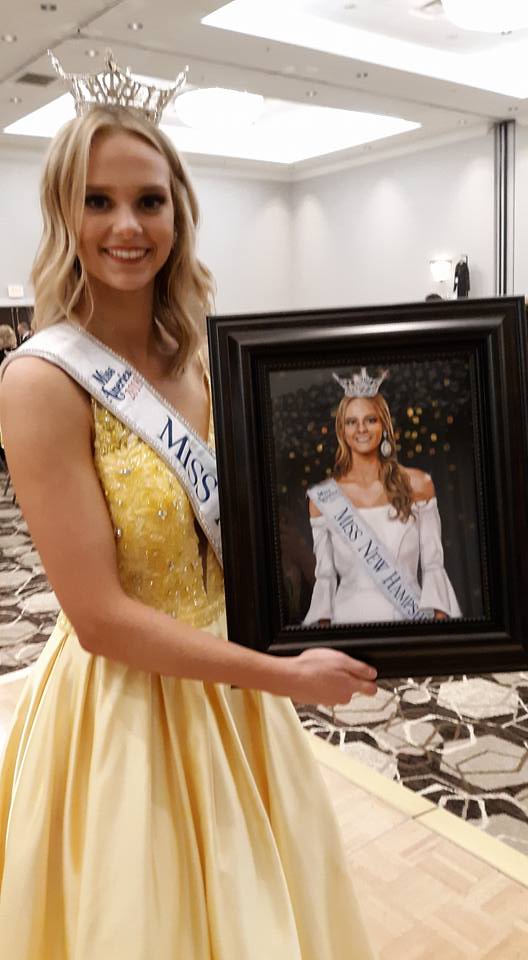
x=126 y=221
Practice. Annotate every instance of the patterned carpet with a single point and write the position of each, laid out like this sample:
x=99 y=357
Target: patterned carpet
x=28 y=608
x=461 y=742
x=458 y=741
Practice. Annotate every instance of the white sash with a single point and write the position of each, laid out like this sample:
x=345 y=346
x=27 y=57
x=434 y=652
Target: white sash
x=116 y=385
x=361 y=539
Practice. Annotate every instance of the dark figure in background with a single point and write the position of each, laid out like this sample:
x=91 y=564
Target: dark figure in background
x=461 y=284
x=24 y=330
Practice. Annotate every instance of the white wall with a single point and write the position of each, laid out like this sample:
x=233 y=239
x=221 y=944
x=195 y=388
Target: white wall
x=366 y=234
x=245 y=235
x=20 y=223
x=521 y=212
x=363 y=235
x=245 y=239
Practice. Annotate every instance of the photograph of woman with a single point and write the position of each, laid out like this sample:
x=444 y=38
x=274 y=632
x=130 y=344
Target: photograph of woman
x=158 y=797
x=375 y=524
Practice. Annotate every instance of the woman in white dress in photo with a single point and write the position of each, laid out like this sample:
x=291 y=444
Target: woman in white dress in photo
x=396 y=510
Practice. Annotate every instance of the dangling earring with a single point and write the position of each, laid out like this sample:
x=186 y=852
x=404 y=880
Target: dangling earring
x=386 y=446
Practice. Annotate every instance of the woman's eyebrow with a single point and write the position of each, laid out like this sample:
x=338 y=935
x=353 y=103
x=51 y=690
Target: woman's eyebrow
x=144 y=188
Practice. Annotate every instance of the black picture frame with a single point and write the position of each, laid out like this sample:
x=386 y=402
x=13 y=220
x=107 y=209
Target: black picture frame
x=487 y=339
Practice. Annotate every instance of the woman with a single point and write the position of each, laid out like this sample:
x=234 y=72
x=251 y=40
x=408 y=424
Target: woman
x=157 y=798
x=376 y=526
x=7 y=340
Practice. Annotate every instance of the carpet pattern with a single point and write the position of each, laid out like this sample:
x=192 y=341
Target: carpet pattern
x=28 y=608
x=461 y=742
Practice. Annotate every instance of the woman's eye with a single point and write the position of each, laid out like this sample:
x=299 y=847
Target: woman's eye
x=96 y=201
x=152 y=201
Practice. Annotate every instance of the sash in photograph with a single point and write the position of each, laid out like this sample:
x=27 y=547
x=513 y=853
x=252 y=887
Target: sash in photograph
x=361 y=540
x=125 y=393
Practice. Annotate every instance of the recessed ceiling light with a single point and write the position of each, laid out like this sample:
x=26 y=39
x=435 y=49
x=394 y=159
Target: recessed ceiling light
x=135 y=25
x=311 y=94
x=15 y=99
x=431 y=10
x=48 y=7
x=9 y=38
x=91 y=53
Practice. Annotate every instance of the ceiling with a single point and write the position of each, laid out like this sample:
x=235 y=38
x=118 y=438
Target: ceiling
x=363 y=76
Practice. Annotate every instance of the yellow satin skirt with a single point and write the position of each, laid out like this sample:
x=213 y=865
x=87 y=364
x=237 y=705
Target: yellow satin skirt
x=152 y=818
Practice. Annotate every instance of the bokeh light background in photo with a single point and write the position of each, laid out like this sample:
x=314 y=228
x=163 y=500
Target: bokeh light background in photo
x=431 y=409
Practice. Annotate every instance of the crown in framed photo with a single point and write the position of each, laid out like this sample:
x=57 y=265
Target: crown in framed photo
x=361 y=384
x=117 y=88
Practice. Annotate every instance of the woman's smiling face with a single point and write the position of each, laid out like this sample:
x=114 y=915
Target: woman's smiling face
x=127 y=228
x=363 y=428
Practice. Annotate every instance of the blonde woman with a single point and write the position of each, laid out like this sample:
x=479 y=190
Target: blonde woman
x=7 y=340
x=157 y=798
x=376 y=525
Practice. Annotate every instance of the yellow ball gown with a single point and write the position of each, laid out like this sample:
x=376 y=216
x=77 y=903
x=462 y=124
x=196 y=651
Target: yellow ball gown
x=152 y=818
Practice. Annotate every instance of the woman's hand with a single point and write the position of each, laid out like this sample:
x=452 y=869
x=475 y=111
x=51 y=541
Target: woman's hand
x=329 y=677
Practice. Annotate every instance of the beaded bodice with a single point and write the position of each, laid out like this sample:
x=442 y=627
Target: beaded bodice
x=161 y=555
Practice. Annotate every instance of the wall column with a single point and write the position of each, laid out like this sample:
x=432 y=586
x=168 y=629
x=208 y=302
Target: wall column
x=504 y=207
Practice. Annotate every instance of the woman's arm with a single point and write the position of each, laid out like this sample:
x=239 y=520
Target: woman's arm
x=47 y=431
x=437 y=591
x=322 y=603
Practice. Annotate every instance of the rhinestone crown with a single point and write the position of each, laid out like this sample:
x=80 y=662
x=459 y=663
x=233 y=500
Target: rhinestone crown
x=116 y=88
x=361 y=385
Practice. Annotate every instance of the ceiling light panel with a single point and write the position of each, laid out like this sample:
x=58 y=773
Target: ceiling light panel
x=218 y=109
x=487 y=16
x=287 y=133
x=280 y=132
x=416 y=21
x=46 y=121
x=495 y=64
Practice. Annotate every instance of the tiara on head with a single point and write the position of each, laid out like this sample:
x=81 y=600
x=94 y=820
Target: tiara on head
x=116 y=88
x=361 y=385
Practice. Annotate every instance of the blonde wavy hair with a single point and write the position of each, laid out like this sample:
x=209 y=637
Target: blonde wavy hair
x=395 y=481
x=8 y=339
x=184 y=287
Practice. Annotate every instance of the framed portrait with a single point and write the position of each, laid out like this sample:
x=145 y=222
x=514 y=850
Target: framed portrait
x=373 y=473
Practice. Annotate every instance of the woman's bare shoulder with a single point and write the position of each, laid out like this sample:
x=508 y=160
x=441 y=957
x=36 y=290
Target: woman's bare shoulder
x=32 y=370
x=422 y=485
x=36 y=381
